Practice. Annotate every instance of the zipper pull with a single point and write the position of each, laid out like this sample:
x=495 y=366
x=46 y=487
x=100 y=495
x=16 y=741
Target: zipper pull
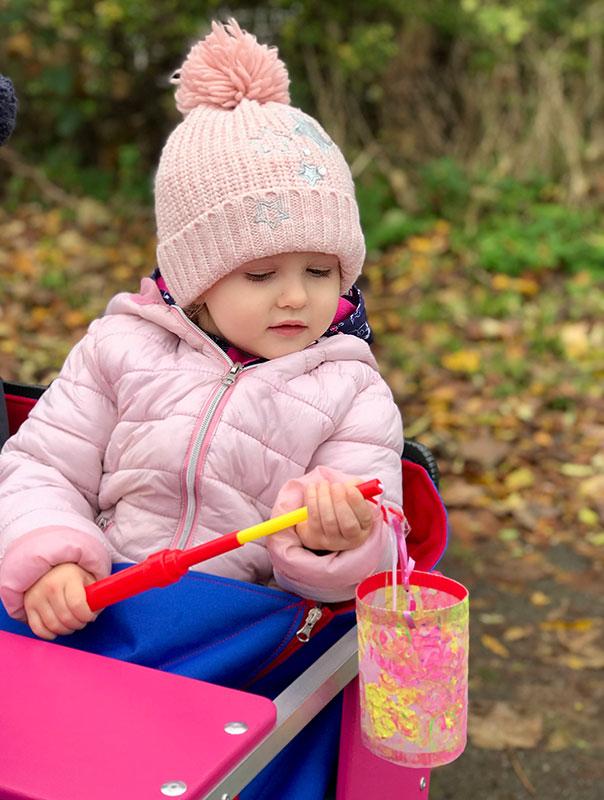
x=231 y=376
x=314 y=615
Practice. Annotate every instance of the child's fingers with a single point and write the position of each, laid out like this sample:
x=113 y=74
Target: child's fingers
x=61 y=607
x=327 y=513
x=361 y=507
x=339 y=518
x=349 y=526
x=50 y=620
x=77 y=605
x=320 y=529
x=35 y=623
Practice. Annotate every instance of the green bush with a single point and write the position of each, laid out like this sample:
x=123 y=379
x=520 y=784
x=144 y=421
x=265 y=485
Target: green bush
x=518 y=230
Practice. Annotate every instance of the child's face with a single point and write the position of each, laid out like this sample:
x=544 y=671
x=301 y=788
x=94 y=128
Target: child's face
x=276 y=305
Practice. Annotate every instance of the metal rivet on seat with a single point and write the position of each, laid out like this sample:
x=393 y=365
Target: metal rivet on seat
x=422 y=784
x=174 y=788
x=235 y=728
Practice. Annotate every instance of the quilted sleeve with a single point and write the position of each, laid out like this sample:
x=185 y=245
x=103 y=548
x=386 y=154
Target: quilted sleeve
x=366 y=444
x=50 y=473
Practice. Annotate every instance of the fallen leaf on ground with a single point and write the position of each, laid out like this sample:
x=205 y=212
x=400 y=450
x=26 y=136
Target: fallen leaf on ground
x=485 y=450
x=540 y=599
x=522 y=478
x=558 y=740
x=592 y=487
x=462 y=361
x=518 y=632
x=494 y=645
x=460 y=493
x=502 y=727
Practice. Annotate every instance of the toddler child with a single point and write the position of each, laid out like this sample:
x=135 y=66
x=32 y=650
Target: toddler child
x=238 y=384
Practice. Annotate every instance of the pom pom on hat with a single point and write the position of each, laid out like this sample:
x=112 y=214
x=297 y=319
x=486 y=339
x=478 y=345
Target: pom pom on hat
x=8 y=108
x=228 y=66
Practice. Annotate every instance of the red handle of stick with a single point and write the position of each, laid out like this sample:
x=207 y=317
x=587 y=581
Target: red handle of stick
x=168 y=566
x=157 y=570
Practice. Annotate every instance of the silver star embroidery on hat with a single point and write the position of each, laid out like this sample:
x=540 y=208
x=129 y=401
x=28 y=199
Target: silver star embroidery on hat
x=306 y=128
x=270 y=213
x=271 y=142
x=311 y=173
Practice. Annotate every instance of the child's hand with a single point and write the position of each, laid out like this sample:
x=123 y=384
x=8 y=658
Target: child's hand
x=56 y=603
x=339 y=517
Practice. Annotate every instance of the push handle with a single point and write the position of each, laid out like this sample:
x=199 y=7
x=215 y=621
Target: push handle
x=168 y=566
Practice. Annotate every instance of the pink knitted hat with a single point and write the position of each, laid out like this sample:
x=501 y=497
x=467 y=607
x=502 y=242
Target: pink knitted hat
x=245 y=175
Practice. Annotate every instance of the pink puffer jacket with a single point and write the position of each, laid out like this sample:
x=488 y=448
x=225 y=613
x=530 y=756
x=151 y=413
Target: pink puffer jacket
x=152 y=438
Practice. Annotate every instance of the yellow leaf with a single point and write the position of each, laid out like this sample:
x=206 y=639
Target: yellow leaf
x=572 y=470
x=574 y=662
x=592 y=487
x=501 y=282
x=462 y=361
x=122 y=272
x=419 y=244
x=558 y=740
x=393 y=321
x=517 y=632
x=575 y=339
x=419 y=263
x=75 y=319
x=540 y=599
x=543 y=438
x=401 y=284
x=494 y=645
x=565 y=624
x=588 y=516
x=23 y=263
x=521 y=478
x=527 y=286
x=40 y=314
x=20 y=44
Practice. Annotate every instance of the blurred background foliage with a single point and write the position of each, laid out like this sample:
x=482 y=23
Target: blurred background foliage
x=487 y=114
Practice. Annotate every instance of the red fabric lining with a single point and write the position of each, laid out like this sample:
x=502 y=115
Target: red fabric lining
x=18 y=409
x=426 y=515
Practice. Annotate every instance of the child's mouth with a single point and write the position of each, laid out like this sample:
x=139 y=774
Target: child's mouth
x=288 y=328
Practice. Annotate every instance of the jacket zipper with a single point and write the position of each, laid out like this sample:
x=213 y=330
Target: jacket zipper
x=185 y=525
x=191 y=495
x=104 y=524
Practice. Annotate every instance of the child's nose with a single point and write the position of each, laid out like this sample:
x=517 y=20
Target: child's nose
x=293 y=295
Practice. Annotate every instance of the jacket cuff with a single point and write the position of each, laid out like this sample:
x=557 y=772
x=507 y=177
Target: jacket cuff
x=332 y=577
x=32 y=555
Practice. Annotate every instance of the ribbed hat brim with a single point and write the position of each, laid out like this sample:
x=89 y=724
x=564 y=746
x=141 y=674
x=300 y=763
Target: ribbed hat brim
x=255 y=225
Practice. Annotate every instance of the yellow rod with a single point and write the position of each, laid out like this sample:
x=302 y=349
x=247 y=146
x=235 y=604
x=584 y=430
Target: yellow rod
x=272 y=525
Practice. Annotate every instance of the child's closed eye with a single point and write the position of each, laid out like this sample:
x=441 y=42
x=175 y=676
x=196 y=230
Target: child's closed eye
x=316 y=272
x=258 y=276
